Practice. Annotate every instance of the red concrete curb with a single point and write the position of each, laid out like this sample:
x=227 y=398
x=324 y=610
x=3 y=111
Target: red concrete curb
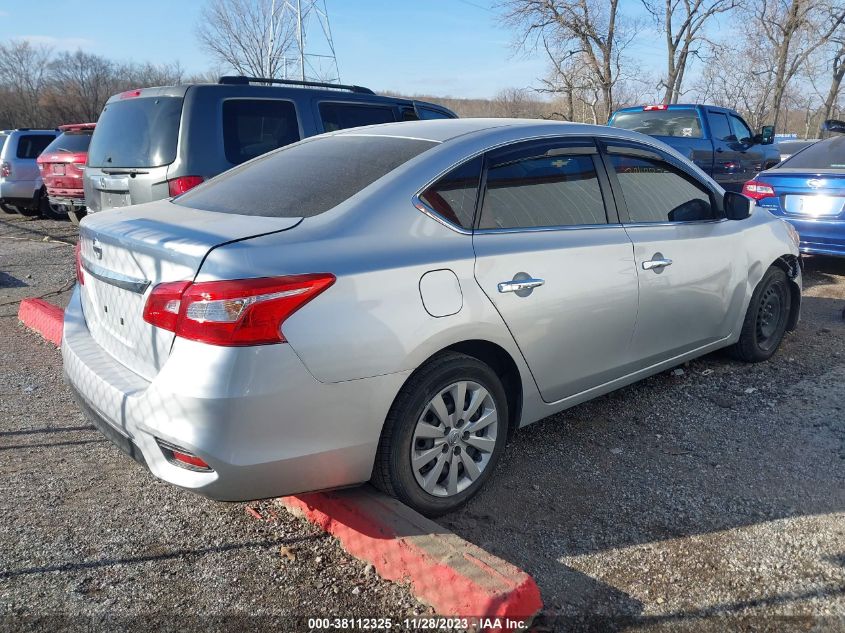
x=43 y=317
x=456 y=578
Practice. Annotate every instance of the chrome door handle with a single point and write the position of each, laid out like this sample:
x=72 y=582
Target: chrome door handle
x=656 y=263
x=522 y=284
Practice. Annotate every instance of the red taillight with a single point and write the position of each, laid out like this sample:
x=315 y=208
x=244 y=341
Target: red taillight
x=163 y=304
x=232 y=313
x=79 y=276
x=182 y=184
x=757 y=190
x=130 y=94
x=659 y=106
x=5 y=169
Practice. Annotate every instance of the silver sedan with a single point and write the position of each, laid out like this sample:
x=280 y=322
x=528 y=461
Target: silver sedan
x=391 y=303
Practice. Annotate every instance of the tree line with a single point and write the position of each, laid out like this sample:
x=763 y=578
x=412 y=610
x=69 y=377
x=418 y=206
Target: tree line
x=779 y=62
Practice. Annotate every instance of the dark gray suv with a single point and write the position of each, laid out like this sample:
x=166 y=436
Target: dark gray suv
x=154 y=143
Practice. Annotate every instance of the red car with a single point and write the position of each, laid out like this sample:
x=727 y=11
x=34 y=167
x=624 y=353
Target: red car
x=61 y=165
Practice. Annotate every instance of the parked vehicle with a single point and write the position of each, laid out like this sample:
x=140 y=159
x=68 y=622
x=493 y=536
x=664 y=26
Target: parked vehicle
x=808 y=191
x=154 y=143
x=788 y=148
x=306 y=321
x=20 y=182
x=61 y=165
x=716 y=139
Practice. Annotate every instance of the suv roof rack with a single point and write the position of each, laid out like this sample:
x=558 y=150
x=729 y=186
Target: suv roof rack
x=241 y=80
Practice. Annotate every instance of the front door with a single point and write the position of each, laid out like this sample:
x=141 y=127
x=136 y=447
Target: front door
x=688 y=258
x=728 y=169
x=558 y=268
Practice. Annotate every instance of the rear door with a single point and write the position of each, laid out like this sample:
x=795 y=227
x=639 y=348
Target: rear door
x=689 y=260
x=553 y=259
x=133 y=145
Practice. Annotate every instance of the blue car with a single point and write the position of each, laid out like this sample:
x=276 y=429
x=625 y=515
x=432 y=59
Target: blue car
x=808 y=191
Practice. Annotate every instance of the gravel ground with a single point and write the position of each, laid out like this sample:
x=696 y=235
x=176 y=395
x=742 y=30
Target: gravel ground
x=89 y=538
x=710 y=499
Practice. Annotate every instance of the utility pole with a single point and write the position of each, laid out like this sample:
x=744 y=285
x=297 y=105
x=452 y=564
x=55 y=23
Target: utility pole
x=319 y=61
x=301 y=40
x=271 y=40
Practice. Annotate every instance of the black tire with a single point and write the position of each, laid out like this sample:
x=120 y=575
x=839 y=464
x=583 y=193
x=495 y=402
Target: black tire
x=393 y=472
x=29 y=212
x=49 y=210
x=766 y=320
x=7 y=208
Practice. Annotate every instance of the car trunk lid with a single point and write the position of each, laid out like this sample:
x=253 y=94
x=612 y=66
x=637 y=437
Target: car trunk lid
x=126 y=252
x=812 y=194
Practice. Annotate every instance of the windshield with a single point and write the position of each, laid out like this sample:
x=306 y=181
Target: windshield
x=305 y=179
x=829 y=154
x=680 y=122
x=70 y=142
x=139 y=132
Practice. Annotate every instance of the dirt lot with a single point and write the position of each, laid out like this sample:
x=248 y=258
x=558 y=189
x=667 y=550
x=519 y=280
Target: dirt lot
x=712 y=498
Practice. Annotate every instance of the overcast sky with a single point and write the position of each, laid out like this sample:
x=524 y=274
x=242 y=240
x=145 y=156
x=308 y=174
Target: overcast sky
x=440 y=47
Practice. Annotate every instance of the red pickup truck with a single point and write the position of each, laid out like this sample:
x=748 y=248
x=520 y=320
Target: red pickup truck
x=61 y=165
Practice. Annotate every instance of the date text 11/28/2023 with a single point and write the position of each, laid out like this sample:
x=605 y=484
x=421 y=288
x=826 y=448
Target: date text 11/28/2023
x=417 y=623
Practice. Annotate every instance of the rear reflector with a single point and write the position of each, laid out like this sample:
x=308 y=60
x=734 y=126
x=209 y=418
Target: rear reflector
x=178 y=456
x=232 y=313
x=659 y=106
x=182 y=184
x=757 y=190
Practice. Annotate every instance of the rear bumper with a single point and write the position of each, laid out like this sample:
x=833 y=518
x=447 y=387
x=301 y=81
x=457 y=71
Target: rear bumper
x=13 y=191
x=820 y=237
x=71 y=198
x=263 y=423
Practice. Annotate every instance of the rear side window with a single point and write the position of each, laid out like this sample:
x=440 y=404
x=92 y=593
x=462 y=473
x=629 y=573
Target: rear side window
x=429 y=113
x=829 y=154
x=70 y=142
x=719 y=127
x=305 y=179
x=454 y=196
x=675 y=122
x=136 y=132
x=549 y=189
x=252 y=127
x=655 y=191
x=31 y=145
x=340 y=116
x=3 y=138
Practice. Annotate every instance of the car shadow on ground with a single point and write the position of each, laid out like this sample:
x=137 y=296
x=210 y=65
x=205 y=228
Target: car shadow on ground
x=649 y=502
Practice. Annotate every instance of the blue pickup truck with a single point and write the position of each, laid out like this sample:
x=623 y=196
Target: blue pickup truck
x=716 y=139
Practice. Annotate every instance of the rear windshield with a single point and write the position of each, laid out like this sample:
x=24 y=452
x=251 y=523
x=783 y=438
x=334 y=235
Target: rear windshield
x=70 y=142
x=304 y=180
x=829 y=154
x=139 y=132
x=681 y=122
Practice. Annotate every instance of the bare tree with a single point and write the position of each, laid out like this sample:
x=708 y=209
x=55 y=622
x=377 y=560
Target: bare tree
x=23 y=72
x=587 y=30
x=792 y=30
x=253 y=37
x=682 y=22
x=837 y=68
x=78 y=86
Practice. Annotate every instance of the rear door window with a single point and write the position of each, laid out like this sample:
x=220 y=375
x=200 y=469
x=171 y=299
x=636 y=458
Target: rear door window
x=31 y=145
x=252 y=127
x=305 y=179
x=543 y=184
x=136 y=132
x=430 y=113
x=340 y=116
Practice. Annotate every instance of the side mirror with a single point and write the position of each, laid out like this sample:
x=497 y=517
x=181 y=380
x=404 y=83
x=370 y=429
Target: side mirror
x=767 y=135
x=737 y=206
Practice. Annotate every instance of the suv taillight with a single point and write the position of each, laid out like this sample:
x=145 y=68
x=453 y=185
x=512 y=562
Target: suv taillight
x=757 y=190
x=232 y=313
x=182 y=184
x=5 y=169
